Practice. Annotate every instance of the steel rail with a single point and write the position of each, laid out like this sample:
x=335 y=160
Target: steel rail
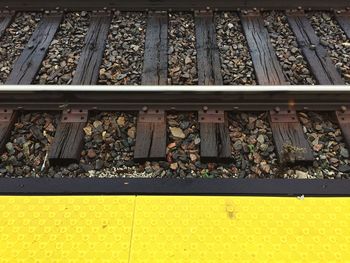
x=174 y=98
x=139 y=5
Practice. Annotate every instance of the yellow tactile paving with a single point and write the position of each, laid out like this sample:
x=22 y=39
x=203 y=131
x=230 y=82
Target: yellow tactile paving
x=174 y=229
x=65 y=228
x=241 y=229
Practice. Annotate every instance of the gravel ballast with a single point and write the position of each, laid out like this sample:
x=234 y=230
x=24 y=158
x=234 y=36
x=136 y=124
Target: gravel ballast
x=26 y=152
x=110 y=140
x=14 y=41
x=123 y=57
x=182 y=59
x=63 y=55
x=236 y=64
x=293 y=64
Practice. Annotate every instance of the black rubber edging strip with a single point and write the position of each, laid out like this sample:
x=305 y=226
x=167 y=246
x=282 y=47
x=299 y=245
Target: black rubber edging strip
x=173 y=186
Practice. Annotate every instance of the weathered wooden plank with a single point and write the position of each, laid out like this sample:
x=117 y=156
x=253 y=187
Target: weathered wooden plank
x=87 y=71
x=208 y=58
x=5 y=20
x=28 y=64
x=344 y=22
x=316 y=55
x=7 y=120
x=155 y=63
x=215 y=139
x=69 y=138
x=209 y=145
x=150 y=138
x=343 y=118
x=289 y=138
x=267 y=68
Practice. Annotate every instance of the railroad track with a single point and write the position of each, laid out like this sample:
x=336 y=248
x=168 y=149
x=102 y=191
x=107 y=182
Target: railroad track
x=160 y=48
x=263 y=132
x=74 y=122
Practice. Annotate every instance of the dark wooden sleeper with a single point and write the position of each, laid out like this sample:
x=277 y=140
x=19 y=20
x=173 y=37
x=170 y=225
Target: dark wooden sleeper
x=316 y=55
x=155 y=63
x=268 y=70
x=208 y=58
x=215 y=138
x=5 y=20
x=7 y=120
x=92 y=53
x=29 y=62
x=150 y=136
x=343 y=19
x=289 y=138
x=69 y=138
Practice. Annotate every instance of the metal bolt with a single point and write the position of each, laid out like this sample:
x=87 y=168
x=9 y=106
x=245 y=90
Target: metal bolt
x=313 y=47
x=208 y=8
x=338 y=12
x=144 y=108
x=300 y=8
x=277 y=109
x=343 y=108
x=205 y=108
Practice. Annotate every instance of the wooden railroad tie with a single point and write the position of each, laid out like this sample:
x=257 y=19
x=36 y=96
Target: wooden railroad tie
x=8 y=118
x=267 y=68
x=208 y=58
x=29 y=62
x=150 y=136
x=215 y=138
x=91 y=56
x=69 y=138
x=289 y=138
x=316 y=55
x=155 y=63
x=343 y=118
x=343 y=18
x=5 y=20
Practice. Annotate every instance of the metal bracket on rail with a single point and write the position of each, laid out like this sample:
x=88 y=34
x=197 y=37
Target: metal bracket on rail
x=207 y=11
x=74 y=115
x=151 y=116
x=344 y=12
x=343 y=116
x=295 y=12
x=211 y=116
x=283 y=116
x=5 y=115
x=250 y=12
